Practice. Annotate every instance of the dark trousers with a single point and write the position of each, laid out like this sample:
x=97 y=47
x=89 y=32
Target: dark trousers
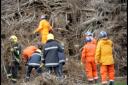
x=61 y=68
x=29 y=69
x=56 y=70
x=13 y=69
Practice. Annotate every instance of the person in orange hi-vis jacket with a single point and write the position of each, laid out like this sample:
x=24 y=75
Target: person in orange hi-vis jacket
x=88 y=59
x=27 y=52
x=89 y=34
x=104 y=57
x=44 y=28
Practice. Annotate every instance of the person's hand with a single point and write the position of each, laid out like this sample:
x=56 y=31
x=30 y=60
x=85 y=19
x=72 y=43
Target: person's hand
x=41 y=65
x=96 y=62
x=33 y=32
x=11 y=49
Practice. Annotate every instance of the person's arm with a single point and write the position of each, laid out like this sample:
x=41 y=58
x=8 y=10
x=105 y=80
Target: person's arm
x=60 y=49
x=39 y=27
x=97 y=54
x=83 y=57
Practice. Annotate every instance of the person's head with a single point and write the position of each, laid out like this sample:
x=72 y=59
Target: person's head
x=13 y=39
x=50 y=36
x=88 y=33
x=103 y=34
x=43 y=17
x=88 y=39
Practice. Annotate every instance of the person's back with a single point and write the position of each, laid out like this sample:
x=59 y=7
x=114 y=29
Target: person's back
x=27 y=52
x=44 y=28
x=35 y=59
x=90 y=51
x=106 y=56
x=88 y=59
x=34 y=62
x=51 y=53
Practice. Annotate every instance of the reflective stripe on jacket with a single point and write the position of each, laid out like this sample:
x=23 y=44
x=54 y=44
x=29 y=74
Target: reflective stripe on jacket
x=35 y=59
x=50 y=54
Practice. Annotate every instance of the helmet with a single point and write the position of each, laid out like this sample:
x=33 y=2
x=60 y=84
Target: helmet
x=38 y=50
x=13 y=38
x=103 y=34
x=88 y=39
x=50 y=36
x=88 y=33
x=43 y=17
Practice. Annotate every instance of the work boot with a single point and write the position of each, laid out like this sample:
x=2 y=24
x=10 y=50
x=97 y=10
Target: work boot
x=90 y=82
x=27 y=79
x=96 y=81
x=14 y=80
x=9 y=75
x=111 y=83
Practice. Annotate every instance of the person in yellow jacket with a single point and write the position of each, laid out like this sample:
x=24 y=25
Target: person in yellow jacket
x=104 y=57
x=44 y=28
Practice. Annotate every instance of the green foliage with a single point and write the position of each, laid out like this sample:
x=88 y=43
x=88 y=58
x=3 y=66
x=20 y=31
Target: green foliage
x=120 y=83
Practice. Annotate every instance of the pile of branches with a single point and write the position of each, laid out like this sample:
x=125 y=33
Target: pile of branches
x=70 y=19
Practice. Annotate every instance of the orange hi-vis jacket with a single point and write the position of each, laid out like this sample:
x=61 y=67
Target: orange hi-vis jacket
x=44 y=28
x=93 y=41
x=88 y=59
x=27 y=52
x=88 y=52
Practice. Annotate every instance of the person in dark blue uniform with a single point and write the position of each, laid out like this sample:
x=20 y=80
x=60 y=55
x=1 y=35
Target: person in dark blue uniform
x=50 y=54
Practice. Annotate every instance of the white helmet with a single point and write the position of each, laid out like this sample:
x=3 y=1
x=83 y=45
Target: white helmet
x=43 y=16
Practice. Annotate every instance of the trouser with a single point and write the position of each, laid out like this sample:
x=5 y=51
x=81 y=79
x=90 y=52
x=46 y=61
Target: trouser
x=107 y=70
x=44 y=38
x=91 y=70
x=29 y=69
x=13 y=69
x=56 y=70
x=61 y=68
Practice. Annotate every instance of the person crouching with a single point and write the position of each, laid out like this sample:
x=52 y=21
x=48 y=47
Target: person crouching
x=34 y=62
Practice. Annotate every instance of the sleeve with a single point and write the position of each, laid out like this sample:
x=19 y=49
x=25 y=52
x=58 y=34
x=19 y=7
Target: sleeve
x=39 y=27
x=83 y=55
x=44 y=52
x=60 y=48
x=42 y=58
x=50 y=27
x=97 y=55
x=17 y=50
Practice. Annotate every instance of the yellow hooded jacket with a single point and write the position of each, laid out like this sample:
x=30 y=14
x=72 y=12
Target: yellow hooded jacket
x=104 y=54
x=44 y=28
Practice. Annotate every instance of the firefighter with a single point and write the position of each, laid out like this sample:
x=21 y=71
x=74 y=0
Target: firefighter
x=15 y=58
x=88 y=60
x=104 y=57
x=44 y=28
x=50 y=54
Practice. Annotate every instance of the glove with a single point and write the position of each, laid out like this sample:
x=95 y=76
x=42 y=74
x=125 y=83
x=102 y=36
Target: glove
x=41 y=65
x=33 y=32
x=96 y=62
x=11 y=49
x=81 y=63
